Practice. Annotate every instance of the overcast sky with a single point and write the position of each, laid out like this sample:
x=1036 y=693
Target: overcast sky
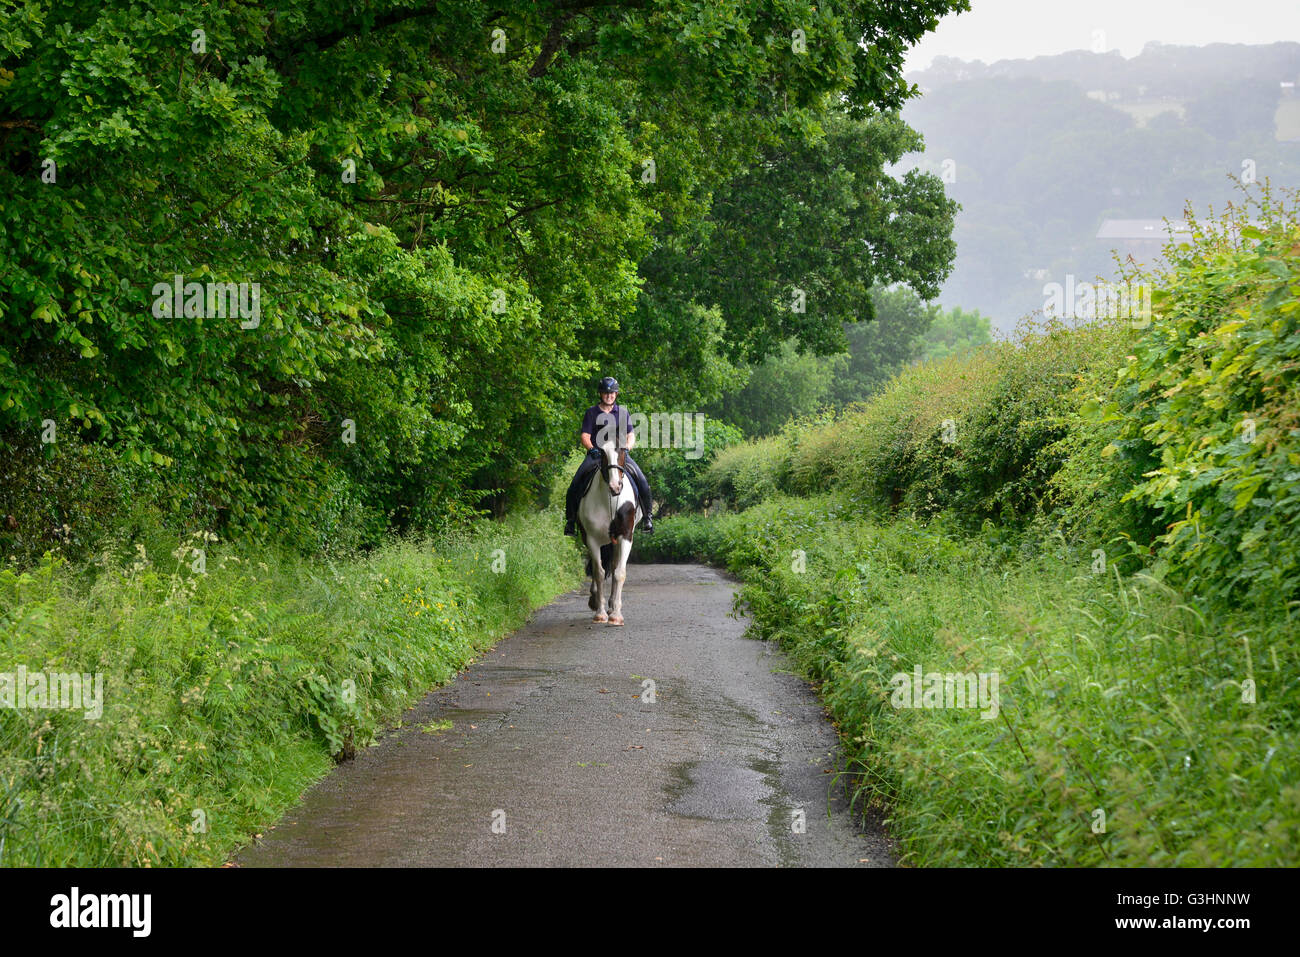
x=1014 y=29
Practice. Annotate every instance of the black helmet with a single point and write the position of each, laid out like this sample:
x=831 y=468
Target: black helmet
x=607 y=384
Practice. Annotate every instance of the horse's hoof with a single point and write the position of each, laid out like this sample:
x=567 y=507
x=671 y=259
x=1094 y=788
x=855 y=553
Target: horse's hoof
x=615 y=620
x=592 y=603
x=601 y=618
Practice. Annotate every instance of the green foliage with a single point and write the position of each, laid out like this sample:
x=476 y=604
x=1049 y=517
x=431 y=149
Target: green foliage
x=786 y=385
x=793 y=385
x=63 y=495
x=1213 y=391
x=1175 y=439
x=799 y=238
x=954 y=332
x=447 y=238
x=890 y=448
x=680 y=476
x=746 y=474
x=1114 y=694
x=228 y=690
x=880 y=348
x=1004 y=453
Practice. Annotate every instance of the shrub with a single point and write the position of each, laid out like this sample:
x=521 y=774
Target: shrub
x=746 y=474
x=681 y=483
x=1204 y=419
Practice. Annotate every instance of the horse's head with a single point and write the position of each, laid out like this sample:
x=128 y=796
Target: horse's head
x=612 y=463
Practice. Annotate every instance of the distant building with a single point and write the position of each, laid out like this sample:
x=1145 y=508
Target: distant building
x=1141 y=238
x=1287 y=118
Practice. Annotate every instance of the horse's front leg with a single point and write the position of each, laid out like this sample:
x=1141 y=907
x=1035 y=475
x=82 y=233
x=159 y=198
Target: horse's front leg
x=597 y=601
x=620 y=575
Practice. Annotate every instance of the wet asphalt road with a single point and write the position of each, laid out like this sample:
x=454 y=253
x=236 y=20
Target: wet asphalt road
x=554 y=758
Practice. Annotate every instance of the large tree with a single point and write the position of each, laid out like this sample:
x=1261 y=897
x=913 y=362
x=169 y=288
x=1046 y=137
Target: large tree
x=796 y=246
x=445 y=204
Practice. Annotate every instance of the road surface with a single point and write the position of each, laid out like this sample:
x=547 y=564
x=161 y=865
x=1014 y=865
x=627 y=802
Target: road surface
x=558 y=754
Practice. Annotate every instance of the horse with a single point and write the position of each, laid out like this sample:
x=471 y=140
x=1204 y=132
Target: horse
x=608 y=513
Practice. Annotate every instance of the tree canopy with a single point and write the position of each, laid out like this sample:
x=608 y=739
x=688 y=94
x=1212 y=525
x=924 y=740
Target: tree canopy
x=455 y=216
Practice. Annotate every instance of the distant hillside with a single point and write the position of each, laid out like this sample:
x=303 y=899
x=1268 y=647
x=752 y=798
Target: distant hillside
x=1159 y=70
x=1041 y=153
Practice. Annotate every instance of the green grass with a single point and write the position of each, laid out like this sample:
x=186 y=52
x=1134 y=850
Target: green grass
x=228 y=692
x=1121 y=700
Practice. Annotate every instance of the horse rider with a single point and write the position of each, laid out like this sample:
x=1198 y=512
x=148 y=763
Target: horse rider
x=602 y=421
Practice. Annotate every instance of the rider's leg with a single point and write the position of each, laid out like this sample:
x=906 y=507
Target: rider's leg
x=574 y=496
x=643 y=493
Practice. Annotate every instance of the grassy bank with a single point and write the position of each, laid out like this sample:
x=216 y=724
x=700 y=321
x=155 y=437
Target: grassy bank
x=1127 y=733
x=1102 y=516
x=233 y=679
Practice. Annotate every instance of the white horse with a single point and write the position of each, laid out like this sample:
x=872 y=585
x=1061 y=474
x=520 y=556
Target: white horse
x=608 y=513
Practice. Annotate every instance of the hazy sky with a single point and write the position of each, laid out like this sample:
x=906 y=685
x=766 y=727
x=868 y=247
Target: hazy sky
x=1014 y=29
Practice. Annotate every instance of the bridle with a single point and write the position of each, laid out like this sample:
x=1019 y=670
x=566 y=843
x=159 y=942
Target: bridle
x=605 y=469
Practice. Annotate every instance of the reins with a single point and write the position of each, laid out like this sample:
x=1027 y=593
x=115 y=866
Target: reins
x=604 y=471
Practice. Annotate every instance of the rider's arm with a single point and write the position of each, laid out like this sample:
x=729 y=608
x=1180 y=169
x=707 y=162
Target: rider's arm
x=586 y=440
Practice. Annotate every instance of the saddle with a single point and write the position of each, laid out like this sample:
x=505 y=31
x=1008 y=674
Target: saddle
x=591 y=477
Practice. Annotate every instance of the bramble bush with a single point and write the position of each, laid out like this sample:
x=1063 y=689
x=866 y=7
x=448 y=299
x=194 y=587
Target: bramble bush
x=1173 y=444
x=1212 y=395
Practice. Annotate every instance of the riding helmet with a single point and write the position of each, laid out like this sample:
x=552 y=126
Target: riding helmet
x=608 y=384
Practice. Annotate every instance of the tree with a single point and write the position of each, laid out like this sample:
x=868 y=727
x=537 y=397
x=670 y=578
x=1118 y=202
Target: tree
x=442 y=205
x=954 y=332
x=879 y=349
x=784 y=386
x=794 y=244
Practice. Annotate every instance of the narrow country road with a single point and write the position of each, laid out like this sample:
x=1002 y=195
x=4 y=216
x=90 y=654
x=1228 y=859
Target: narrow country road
x=553 y=758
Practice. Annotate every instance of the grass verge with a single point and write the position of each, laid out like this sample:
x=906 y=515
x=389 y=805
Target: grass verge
x=1135 y=726
x=233 y=676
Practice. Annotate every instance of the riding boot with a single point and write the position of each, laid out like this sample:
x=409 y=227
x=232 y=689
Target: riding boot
x=573 y=497
x=570 y=513
x=571 y=508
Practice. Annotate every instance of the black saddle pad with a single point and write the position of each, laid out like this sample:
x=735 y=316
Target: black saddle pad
x=591 y=477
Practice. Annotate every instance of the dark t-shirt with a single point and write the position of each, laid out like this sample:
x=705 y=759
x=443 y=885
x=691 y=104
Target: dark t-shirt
x=602 y=426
